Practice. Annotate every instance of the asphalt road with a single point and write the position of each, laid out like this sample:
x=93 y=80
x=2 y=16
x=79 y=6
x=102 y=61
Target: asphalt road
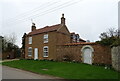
x=13 y=73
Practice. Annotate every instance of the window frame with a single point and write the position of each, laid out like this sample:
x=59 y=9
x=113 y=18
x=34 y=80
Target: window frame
x=30 y=40
x=45 y=38
x=44 y=51
x=29 y=51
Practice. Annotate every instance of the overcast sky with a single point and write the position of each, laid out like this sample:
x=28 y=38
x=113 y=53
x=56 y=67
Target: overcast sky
x=88 y=18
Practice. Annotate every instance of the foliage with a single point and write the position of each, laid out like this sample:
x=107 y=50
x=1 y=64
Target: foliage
x=23 y=41
x=8 y=44
x=108 y=41
x=109 y=37
x=117 y=42
x=67 y=70
x=112 y=32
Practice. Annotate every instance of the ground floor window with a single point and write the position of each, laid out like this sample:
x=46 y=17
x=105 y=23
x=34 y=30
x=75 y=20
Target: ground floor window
x=45 y=51
x=30 y=51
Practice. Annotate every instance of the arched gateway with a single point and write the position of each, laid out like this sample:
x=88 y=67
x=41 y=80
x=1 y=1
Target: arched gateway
x=87 y=54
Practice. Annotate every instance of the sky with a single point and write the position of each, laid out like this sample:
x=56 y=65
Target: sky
x=88 y=18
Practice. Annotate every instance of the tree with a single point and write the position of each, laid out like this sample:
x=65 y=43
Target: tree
x=9 y=42
x=110 y=37
x=11 y=38
x=9 y=45
x=110 y=33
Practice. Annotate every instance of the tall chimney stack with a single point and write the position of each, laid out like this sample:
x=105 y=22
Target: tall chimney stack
x=33 y=27
x=63 y=19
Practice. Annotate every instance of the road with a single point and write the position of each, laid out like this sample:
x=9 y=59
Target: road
x=13 y=73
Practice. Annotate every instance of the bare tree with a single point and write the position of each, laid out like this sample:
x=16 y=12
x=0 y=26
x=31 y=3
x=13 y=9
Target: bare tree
x=110 y=37
x=9 y=41
x=112 y=32
x=11 y=38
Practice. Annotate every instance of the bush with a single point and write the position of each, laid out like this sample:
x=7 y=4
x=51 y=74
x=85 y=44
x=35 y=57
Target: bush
x=116 y=43
x=112 y=41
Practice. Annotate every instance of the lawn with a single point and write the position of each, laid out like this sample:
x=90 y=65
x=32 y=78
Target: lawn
x=65 y=70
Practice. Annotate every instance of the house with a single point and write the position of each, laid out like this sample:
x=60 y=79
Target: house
x=57 y=43
x=75 y=38
x=41 y=43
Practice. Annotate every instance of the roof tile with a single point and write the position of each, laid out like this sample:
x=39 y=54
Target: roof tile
x=45 y=29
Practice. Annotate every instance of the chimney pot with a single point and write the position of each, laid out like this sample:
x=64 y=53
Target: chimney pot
x=33 y=27
x=63 y=19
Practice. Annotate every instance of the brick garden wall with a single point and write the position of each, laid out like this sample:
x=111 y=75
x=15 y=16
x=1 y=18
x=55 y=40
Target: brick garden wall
x=101 y=54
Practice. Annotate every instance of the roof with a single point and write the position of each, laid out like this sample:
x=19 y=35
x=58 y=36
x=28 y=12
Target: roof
x=82 y=40
x=45 y=29
x=1 y=37
x=72 y=33
x=81 y=43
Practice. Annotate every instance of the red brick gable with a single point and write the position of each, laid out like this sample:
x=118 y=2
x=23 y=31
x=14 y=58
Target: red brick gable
x=45 y=29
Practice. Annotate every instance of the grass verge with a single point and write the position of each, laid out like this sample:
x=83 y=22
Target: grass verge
x=65 y=70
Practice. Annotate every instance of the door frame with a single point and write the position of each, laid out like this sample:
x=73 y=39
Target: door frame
x=82 y=50
x=35 y=52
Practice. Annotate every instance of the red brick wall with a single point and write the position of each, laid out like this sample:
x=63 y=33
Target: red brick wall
x=59 y=37
x=101 y=54
x=6 y=54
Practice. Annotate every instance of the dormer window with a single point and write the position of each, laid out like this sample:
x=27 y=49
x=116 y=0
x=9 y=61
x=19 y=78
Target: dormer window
x=30 y=40
x=45 y=38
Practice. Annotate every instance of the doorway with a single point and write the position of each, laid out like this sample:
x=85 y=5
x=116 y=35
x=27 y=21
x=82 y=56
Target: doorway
x=35 y=53
x=87 y=54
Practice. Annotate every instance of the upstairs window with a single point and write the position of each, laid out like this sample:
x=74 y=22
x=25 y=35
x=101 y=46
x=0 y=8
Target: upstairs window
x=45 y=51
x=30 y=51
x=78 y=40
x=45 y=38
x=30 y=40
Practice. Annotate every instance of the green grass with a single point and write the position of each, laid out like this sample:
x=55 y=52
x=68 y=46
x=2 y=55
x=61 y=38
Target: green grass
x=64 y=69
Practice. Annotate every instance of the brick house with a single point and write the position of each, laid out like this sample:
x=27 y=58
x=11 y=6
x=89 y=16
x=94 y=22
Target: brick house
x=41 y=43
x=57 y=43
x=75 y=38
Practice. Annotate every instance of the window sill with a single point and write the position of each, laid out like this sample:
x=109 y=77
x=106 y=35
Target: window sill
x=45 y=42
x=45 y=56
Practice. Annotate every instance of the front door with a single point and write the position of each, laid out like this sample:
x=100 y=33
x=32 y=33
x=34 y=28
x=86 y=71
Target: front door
x=88 y=56
x=35 y=53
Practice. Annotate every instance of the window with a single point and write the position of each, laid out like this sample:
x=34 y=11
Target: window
x=74 y=37
x=78 y=40
x=30 y=40
x=45 y=51
x=30 y=51
x=45 y=38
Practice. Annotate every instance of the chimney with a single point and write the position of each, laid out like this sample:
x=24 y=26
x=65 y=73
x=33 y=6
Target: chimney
x=33 y=27
x=62 y=20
